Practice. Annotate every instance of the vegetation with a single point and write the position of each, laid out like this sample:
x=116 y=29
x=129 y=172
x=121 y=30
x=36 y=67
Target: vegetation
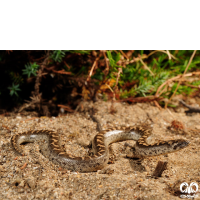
x=63 y=76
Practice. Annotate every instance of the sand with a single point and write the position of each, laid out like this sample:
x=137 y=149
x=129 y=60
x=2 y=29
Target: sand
x=33 y=176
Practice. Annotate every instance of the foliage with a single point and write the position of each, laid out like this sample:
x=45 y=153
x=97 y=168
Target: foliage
x=123 y=73
x=147 y=83
x=30 y=69
x=142 y=82
x=58 y=55
x=13 y=89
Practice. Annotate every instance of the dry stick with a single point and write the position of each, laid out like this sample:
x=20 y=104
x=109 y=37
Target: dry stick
x=107 y=67
x=157 y=104
x=161 y=166
x=61 y=72
x=192 y=86
x=173 y=79
x=126 y=62
x=191 y=58
x=66 y=65
x=39 y=75
x=134 y=60
x=118 y=75
x=106 y=60
x=111 y=91
x=168 y=53
x=146 y=67
x=92 y=69
x=124 y=54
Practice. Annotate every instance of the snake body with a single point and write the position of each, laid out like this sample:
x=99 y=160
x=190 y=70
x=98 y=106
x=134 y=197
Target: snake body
x=100 y=143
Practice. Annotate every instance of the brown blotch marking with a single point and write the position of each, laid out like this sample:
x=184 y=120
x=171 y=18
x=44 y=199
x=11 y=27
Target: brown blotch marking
x=147 y=132
x=54 y=140
x=162 y=142
x=70 y=156
x=57 y=149
x=56 y=146
x=100 y=141
x=170 y=142
x=98 y=154
x=99 y=145
x=103 y=132
x=55 y=136
x=100 y=136
x=62 y=153
x=51 y=145
x=141 y=140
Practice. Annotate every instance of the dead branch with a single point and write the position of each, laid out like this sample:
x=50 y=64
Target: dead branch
x=93 y=66
x=191 y=58
x=174 y=79
x=161 y=166
x=141 y=99
x=39 y=75
x=61 y=72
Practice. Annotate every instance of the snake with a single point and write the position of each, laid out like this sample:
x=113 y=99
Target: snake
x=100 y=145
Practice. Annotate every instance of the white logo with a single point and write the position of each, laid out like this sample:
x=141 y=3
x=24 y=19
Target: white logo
x=185 y=188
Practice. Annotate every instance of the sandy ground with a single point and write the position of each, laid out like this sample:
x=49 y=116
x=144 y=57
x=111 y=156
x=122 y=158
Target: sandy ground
x=32 y=176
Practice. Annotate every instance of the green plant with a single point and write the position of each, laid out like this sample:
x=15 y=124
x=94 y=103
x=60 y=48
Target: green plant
x=30 y=69
x=13 y=89
x=146 y=73
x=58 y=55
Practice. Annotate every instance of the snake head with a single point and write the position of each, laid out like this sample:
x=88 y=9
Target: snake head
x=179 y=144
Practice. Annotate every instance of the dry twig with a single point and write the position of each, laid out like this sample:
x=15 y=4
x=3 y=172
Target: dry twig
x=93 y=66
x=39 y=75
x=191 y=58
x=161 y=166
x=158 y=93
x=146 y=67
x=141 y=99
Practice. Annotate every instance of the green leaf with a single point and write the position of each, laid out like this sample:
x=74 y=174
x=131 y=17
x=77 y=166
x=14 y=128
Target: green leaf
x=13 y=89
x=11 y=92
x=118 y=56
x=111 y=60
x=30 y=69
